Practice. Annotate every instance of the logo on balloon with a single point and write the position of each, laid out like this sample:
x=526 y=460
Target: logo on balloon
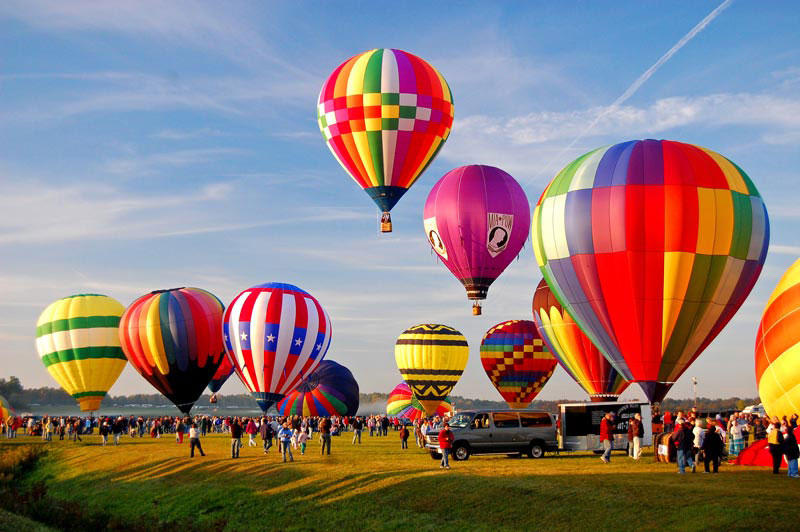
x=499 y=229
x=433 y=236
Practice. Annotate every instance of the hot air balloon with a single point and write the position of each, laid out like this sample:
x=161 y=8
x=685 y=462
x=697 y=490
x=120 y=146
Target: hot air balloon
x=224 y=371
x=403 y=404
x=173 y=338
x=477 y=219
x=431 y=359
x=573 y=349
x=330 y=390
x=652 y=246
x=78 y=342
x=517 y=361
x=5 y=409
x=778 y=347
x=276 y=334
x=385 y=114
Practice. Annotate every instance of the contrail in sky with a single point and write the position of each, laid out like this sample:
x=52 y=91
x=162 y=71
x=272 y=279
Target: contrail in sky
x=630 y=91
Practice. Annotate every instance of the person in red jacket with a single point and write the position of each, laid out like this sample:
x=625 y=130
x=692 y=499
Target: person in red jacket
x=445 y=444
x=606 y=431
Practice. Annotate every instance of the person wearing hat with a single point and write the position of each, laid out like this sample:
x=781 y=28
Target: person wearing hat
x=684 y=443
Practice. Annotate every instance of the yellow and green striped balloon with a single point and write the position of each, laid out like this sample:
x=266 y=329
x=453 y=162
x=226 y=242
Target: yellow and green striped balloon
x=78 y=341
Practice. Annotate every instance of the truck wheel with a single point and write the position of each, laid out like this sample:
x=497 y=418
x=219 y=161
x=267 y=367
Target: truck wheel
x=461 y=452
x=535 y=450
x=435 y=455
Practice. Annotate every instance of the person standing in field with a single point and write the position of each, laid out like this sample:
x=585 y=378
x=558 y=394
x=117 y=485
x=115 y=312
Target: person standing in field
x=775 y=442
x=285 y=435
x=606 y=431
x=712 y=447
x=194 y=440
x=446 y=438
x=325 y=435
x=404 y=434
x=358 y=425
x=791 y=452
x=630 y=438
x=236 y=438
x=266 y=432
x=684 y=442
x=251 y=433
x=638 y=434
x=302 y=438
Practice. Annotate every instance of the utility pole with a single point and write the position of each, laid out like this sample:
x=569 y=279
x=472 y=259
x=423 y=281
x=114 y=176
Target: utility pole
x=694 y=385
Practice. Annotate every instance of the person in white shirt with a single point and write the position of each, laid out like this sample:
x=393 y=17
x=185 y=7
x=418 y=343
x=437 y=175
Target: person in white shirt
x=194 y=440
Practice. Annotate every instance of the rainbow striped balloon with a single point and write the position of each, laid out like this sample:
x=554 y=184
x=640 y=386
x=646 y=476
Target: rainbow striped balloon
x=173 y=338
x=385 y=114
x=330 y=390
x=778 y=347
x=573 y=349
x=403 y=404
x=5 y=409
x=652 y=246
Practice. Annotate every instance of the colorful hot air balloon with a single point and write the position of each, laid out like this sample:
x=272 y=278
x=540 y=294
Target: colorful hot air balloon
x=573 y=349
x=77 y=339
x=517 y=361
x=477 y=219
x=403 y=404
x=778 y=347
x=173 y=339
x=5 y=409
x=276 y=334
x=330 y=390
x=652 y=246
x=431 y=359
x=224 y=371
x=385 y=114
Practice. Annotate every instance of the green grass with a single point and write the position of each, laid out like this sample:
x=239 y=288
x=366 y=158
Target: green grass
x=378 y=486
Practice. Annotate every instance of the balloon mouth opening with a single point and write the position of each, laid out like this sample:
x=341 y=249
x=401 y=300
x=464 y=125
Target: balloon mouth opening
x=167 y=290
x=602 y=397
x=89 y=404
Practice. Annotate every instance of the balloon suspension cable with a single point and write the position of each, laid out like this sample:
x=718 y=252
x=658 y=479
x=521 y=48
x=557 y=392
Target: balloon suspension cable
x=386 y=222
x=476 y=309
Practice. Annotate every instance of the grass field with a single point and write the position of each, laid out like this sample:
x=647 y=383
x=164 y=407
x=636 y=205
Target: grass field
x=378 y=486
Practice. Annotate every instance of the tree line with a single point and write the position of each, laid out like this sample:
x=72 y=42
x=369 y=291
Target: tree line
x=21 y=397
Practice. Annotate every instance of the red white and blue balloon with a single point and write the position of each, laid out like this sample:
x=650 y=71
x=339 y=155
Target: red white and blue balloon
x=276 y=334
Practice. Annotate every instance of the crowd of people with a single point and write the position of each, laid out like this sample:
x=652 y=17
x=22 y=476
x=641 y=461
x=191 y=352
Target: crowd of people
x=696 y=438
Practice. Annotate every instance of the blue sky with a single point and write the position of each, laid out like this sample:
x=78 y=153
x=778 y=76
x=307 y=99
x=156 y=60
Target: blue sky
x=147 y=145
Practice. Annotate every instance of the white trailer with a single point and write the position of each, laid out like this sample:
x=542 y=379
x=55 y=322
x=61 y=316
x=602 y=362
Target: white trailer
x=579 y=424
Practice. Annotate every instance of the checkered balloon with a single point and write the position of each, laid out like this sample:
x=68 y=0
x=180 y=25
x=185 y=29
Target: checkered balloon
x=517 y=361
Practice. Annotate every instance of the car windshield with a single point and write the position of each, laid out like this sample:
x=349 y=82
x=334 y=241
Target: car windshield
x=460 y=421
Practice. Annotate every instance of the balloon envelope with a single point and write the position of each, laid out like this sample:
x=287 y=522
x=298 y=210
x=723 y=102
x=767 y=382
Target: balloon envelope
x=329 y=390
x=778 y=347
x=431 y=359
x=276 y=334
x=173 y=338
x=78 y=341
x=403 y=404
x=477 y=219
x=385 y=114
x=573 y=349
x=5 y=409
x=224 y=371
x=652 y=246
x=517 y=361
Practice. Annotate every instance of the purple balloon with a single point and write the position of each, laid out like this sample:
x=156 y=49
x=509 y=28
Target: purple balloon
x=477 y=219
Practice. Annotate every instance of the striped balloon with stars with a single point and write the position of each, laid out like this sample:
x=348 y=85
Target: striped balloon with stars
x=275 y=334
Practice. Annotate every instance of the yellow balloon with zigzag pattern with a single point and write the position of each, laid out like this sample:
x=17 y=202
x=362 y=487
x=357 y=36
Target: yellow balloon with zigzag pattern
x=431 y=359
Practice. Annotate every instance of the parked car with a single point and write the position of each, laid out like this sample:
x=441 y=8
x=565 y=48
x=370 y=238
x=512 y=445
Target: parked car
x=755 y=409
x=511 y=432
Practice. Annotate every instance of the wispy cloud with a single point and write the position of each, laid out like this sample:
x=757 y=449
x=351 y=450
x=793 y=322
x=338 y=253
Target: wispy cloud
x=520 y=144
x=141 y=165
x=784 y=250
x=187 y=134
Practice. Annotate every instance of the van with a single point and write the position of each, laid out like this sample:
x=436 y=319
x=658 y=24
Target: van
x=511 y=432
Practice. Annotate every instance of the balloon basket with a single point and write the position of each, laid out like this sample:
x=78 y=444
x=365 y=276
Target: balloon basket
x=386 y=223
x=476 y=309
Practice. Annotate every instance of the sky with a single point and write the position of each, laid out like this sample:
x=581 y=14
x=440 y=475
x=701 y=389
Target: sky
x=147 y=145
